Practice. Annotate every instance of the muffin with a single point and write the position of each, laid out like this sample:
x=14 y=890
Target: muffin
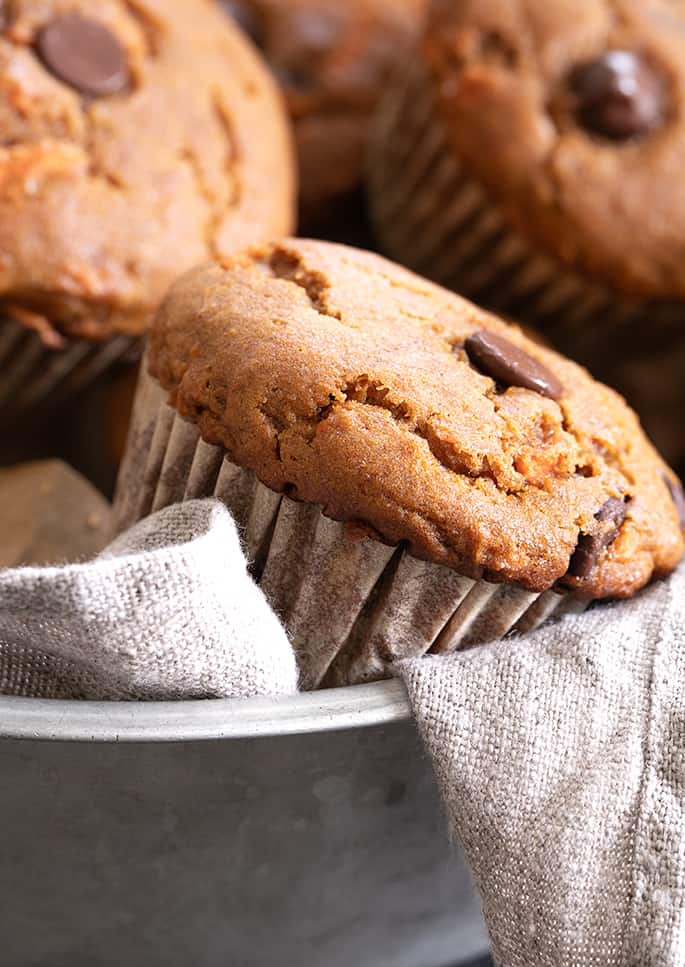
x=129 y=154
x=332 y=59
x=409 y=473
x=531 y=160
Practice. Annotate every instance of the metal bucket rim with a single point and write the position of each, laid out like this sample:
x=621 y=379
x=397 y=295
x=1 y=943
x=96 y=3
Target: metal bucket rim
x=353 y=707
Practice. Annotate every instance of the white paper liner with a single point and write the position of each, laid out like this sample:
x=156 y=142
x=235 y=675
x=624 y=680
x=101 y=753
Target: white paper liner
x=32 y=375
x=351 y=606
x=433 y=216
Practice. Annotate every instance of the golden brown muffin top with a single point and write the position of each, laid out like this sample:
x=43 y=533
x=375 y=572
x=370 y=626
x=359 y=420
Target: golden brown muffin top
x=572 y=114
x=332 y=59
x=138 y=139
x=348 y=382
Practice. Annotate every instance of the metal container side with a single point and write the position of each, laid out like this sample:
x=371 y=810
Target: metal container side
x=360 y=706
x=299 y=832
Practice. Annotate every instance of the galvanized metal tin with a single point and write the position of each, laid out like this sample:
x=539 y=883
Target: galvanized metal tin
x=303 y=831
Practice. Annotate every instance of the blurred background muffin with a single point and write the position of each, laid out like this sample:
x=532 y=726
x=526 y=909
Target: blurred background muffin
x=332 y=59
x=531 y=159
x=128 y=155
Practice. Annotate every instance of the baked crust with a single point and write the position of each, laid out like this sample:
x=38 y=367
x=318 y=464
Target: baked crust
x=104 y=201
x=342 y=380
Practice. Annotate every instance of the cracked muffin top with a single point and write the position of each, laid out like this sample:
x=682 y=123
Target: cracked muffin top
x=331 y=58
x=139 y=138
x=572 y=114
x=348 y=382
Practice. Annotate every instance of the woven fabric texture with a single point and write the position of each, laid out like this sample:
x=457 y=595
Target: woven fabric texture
x=168 y=611
x=561 y=759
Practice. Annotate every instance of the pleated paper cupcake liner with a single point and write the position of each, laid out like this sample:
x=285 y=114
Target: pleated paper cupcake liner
x=33 y=375
x=351 y=604
x=433 y=216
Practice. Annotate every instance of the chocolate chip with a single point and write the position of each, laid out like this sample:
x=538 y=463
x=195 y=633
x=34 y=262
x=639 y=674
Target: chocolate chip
x=614 y=510
x=507 y=364
x=619 y=95
x=677 y=495
x=84 y=54
x=590 y=546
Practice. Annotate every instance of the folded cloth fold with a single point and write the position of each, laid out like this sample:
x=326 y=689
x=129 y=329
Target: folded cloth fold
x=168 y=611
x=561 y=758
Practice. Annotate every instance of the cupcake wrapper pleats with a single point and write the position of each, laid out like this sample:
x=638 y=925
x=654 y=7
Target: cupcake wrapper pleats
x=34 y=375
x=351 y=605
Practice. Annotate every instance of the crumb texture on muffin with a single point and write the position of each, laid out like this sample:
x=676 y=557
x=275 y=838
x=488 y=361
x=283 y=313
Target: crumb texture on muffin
x=348 y=382
x=138 y=139
x=571 y=115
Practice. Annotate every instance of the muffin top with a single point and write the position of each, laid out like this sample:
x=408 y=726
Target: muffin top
x=129 y=154
x=572 y=114
x=332 y=58
x=345 y=381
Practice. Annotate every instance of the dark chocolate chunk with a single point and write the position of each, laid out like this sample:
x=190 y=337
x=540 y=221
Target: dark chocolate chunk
x=590 y=546
x=84 y=54
x=619 y=95
x=676 y=490
x=506 y=363
x=614 y=510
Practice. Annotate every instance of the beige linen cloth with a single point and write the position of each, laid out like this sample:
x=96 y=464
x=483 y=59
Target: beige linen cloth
x=560 y=755
x=561 y=759
x=167 y=611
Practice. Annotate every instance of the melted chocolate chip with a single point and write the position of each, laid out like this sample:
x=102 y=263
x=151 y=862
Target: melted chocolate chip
x=84 y=54
x=507 y=364
x=590 y=546
x=619 y=95
x=677 y=495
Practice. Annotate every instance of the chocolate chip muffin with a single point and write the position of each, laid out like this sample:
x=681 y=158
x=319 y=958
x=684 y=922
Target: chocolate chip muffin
x=129 y=154
x=410 y=472
x=332 y=59
x=530 y=160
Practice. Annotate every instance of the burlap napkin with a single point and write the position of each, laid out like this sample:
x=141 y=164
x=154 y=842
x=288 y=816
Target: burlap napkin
x=167 y=611
x=561 y=758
